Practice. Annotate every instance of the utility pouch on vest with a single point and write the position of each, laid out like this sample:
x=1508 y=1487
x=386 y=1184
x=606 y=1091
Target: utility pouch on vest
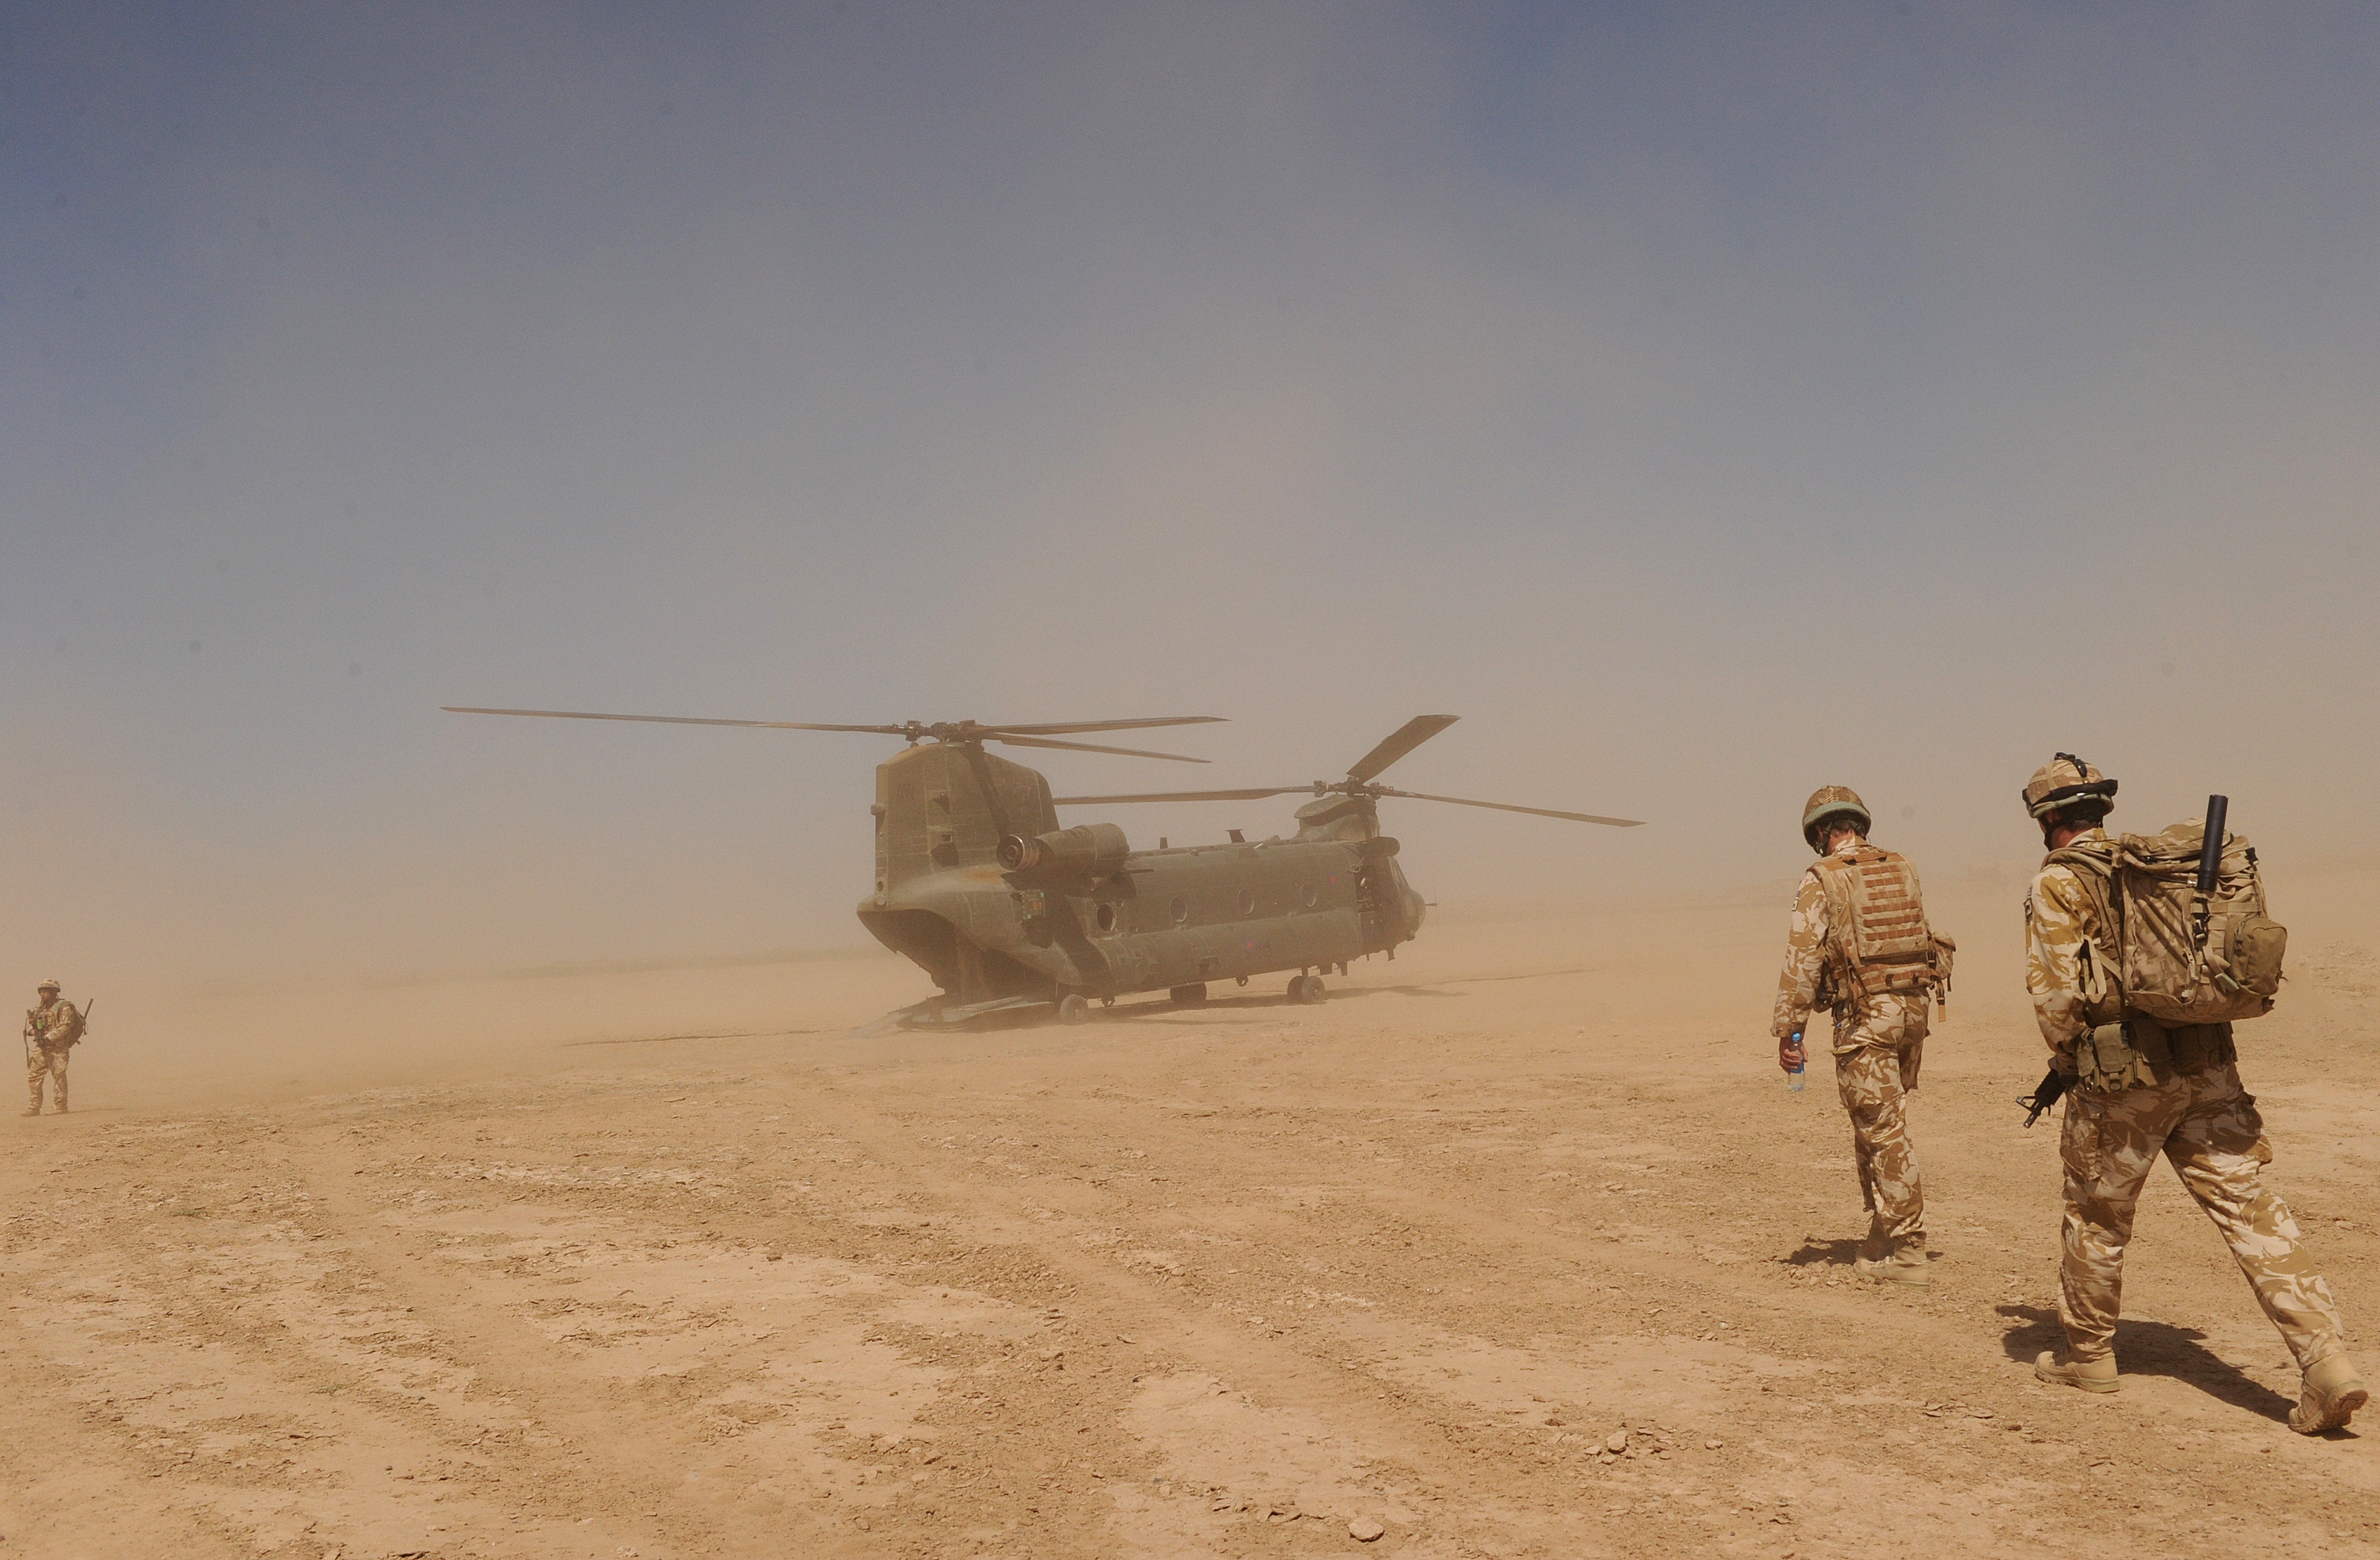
x=2140 y=1050
x=2196 y=1048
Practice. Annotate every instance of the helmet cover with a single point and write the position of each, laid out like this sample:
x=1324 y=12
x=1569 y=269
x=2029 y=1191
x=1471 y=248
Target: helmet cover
x=2063 y=781
x=1832 y=802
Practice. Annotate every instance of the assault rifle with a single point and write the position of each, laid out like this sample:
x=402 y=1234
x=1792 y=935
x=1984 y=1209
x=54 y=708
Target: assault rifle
x=2051 y=1089
x=33 y=1027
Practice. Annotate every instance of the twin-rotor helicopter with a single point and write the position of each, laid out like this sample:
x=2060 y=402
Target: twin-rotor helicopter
x=1015 y=918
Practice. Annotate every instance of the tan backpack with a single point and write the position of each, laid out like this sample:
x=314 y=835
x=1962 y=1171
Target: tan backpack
x=1880 y=940
x=2174 y=959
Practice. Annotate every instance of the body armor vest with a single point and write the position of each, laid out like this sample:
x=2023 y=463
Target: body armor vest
x=1878 y=940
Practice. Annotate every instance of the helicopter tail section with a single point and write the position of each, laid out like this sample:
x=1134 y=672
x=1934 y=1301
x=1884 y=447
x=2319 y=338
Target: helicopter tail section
x=966 y=972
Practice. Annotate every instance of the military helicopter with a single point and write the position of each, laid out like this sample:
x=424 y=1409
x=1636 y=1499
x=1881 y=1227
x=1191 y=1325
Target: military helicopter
x=1014 y=916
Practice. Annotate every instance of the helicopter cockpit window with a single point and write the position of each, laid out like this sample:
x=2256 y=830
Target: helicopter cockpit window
x=1106 y=915
x=1247 y=901
x=1180 y=908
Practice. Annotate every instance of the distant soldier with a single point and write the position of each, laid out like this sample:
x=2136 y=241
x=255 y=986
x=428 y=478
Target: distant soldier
x=51 y=1031
x=2138 y=1087
x=1859 y=945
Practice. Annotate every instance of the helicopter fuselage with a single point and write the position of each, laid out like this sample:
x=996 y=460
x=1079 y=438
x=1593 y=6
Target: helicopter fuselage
x=1077 y=912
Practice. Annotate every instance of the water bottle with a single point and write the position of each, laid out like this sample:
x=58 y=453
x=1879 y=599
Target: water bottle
x=1799 y=1077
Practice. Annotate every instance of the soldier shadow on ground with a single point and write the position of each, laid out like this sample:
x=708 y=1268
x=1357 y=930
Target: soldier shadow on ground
x=2151 y=1348
x=1814 y=1253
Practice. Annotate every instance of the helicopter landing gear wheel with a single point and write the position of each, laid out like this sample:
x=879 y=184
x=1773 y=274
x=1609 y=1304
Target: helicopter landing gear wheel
x=1073 y=1009
x=1307 y=989
x=1188 y=997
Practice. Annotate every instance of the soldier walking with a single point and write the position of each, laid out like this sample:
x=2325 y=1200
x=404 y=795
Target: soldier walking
x=51 y=1031
x=1858 y=945
x=2138 y=1087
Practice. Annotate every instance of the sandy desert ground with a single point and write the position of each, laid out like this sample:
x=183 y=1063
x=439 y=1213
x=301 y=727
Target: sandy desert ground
x=662 y=1263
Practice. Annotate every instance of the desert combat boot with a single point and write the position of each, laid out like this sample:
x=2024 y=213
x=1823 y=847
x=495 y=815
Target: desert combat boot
x=2090 y=1375
x=2329 y=1397
x=1903 y=1262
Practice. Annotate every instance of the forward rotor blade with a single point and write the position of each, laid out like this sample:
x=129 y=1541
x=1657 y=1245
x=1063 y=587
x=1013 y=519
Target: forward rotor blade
x=1086 y=748
x=1508 y=807
x=673 y=720
x=1404 y=740
x=1182 y=796
x=1064 y=728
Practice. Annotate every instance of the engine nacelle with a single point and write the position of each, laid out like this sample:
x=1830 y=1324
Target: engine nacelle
x=1091 y=850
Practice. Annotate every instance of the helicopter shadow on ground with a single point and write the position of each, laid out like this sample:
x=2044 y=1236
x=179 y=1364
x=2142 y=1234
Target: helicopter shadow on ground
x=1258 y=1002
x=706 y=1034
x=2151 y=1348
x=1251 y=1008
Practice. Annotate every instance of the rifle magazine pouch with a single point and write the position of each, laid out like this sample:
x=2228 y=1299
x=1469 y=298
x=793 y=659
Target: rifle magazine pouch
x=2109 y=1060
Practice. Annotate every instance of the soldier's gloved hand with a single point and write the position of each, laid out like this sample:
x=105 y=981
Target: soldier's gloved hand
x=1790 y=1055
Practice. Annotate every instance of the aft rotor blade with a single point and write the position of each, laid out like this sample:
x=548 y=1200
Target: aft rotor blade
x=1182 y=796
x=1086 y=748
x=1508 y=807
x=1404 y=740
x=673 y=720
x=1063 y=728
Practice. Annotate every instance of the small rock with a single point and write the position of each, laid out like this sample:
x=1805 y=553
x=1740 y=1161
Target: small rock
x=1364 y=1530
x=1618 y=1443
x=1713 y=1445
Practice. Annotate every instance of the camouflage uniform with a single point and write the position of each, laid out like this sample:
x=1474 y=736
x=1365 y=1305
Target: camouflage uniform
x=52 y=1029
x=2201 y=1120
x=1879 y=1042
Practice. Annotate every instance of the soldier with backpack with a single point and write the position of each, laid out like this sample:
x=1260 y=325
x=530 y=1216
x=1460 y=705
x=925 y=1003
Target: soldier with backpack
x=1858 y=944
x=52 y=1031
x=2140 y=953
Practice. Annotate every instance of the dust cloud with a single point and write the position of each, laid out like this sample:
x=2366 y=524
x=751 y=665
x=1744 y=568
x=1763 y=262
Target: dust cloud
x=1696 y=431
x=471 y=1152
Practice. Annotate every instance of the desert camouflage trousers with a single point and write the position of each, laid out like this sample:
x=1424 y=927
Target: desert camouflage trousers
x=1876 y=1055
x=2209 y=1128
x=50 y=1062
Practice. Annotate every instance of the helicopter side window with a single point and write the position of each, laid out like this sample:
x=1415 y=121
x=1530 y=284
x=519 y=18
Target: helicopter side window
x=1180 y=908
x=1247 y=901
x=1106 y=915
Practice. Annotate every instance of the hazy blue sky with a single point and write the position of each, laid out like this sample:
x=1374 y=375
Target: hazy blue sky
x=1705 y=402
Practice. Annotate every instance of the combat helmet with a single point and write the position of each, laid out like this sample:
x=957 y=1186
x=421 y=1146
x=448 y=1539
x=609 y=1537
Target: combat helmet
x=1830 y=802
x=49 y=983
x=2064 y=781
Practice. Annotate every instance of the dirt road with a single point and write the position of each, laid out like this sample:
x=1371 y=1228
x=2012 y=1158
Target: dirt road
x=1506 y=1249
